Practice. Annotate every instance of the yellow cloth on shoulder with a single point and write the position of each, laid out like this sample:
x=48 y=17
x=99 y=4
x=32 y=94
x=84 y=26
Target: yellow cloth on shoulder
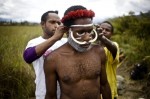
x=111 y=66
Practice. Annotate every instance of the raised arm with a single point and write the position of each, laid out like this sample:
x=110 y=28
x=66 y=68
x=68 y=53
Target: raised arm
x=111 y=46
x=41 y=48
x=34 y=52
x=50 y=77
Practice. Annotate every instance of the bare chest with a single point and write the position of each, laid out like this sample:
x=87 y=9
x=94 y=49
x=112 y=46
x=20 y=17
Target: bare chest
x=75 y=68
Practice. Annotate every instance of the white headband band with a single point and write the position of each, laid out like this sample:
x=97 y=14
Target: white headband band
x=86 y=25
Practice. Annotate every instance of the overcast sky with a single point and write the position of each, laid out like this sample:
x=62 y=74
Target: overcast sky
x=31 y=10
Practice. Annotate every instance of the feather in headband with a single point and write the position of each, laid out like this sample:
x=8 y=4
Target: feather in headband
x=78 y=14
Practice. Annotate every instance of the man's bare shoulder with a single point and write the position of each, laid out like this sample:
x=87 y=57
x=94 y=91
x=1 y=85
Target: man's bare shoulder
x=56 y=53
x=100 y=50
x=52 y=59
x=98 y=47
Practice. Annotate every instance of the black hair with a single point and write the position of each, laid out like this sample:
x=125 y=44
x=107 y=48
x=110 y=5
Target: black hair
x=72 y=8
x=112 y=28
x=44 y=16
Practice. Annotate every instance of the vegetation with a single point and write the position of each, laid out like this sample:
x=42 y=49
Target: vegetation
x=17 y=77
x=14 y=23
x=133 y=33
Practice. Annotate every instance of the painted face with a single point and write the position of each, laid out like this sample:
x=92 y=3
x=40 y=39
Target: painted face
x=51 y=24
x=106 y=29
x=81 y=35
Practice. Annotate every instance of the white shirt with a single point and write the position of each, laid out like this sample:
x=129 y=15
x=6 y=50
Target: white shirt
x=38 y=65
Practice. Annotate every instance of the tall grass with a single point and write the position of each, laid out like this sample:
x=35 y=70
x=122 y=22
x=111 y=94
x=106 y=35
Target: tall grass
x=16 y=77
x=130 y=45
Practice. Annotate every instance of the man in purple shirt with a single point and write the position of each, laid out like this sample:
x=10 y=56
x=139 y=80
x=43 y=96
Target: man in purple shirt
x=38 y=48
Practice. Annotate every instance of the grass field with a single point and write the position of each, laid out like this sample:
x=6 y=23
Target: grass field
x=16 y=77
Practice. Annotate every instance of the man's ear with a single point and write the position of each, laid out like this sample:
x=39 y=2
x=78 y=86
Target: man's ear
x=42 y=24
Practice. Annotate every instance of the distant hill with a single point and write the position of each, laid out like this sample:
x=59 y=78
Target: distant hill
x=147 y=14
x=5 y=20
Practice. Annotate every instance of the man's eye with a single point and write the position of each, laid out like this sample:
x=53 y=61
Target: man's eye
x=53 y=22
x=90 y=31
x=59 y=23
x=108 y=30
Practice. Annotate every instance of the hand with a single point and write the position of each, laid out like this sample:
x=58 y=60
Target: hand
x=100 y=33
x=60 y=32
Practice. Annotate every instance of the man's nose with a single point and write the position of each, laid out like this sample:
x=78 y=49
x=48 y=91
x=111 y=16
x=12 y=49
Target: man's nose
x=104 y=30
x=56 y=25
x=87 y=37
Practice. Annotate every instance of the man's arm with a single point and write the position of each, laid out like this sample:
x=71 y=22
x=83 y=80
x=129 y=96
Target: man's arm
x=109 y=44
x=104 y=85
x=50 y=77
x=33 y=53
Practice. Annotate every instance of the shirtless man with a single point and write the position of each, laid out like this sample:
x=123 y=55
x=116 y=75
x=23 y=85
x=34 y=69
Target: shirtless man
x=76 y=64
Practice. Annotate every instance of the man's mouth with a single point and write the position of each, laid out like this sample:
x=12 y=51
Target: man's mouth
x=53 y=31
x=85 y=45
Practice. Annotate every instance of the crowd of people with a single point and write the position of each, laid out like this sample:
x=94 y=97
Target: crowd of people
x=82 y=65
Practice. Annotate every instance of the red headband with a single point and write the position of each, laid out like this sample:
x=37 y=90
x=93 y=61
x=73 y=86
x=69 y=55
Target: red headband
x=78 y=14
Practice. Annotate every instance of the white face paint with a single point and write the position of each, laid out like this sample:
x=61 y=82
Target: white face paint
x=79 y=38
x=76 y=42
x=75 y=45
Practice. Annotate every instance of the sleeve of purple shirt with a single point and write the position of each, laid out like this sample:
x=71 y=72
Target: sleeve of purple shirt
x=30 y=55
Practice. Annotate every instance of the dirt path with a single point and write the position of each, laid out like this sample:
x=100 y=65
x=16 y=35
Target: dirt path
x=133 y=89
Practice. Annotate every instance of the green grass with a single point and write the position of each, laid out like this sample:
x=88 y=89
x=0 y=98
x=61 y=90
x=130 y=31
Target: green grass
x=16 y=77
x=132 y=47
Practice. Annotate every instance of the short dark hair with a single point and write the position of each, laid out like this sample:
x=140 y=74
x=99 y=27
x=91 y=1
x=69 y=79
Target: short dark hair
x=44 y=16
x=112 y=28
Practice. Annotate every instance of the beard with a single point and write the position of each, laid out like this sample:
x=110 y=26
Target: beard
x=49 y=33
x=75 y=45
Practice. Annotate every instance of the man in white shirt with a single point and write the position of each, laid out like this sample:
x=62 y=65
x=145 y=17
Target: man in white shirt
x=38 y=48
